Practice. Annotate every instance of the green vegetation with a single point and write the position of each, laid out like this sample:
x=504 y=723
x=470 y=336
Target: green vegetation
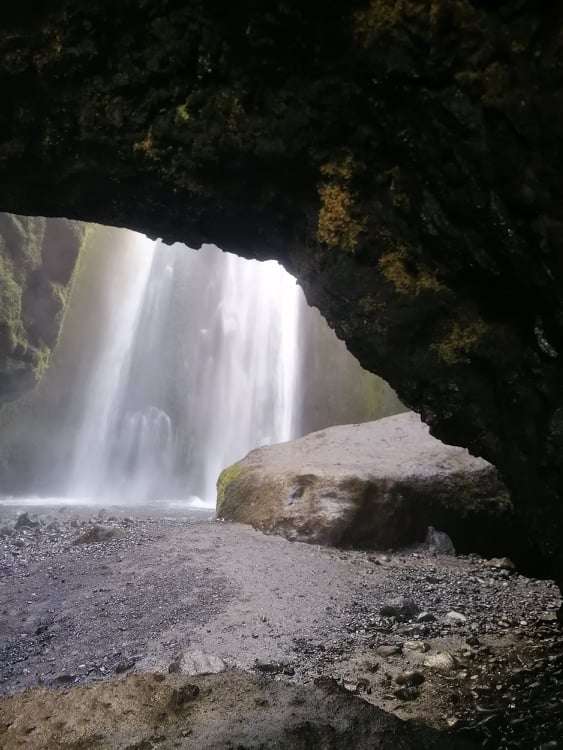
x=227 y=476
x=461 y=340
x=339 y=222
x=11 y=326
x=407 y=280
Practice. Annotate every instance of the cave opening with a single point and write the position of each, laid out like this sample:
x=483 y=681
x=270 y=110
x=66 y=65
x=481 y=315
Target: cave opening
x=180 y=377
x=172 y=364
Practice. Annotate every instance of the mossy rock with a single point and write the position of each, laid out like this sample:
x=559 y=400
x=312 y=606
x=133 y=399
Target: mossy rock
x=374 y=485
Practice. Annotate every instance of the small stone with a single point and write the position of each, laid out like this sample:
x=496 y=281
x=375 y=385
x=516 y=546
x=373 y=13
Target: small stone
x=269 y=667
x=329 y=684
x=371 y=666
x=407 y=693
x=501 y=563
x=389 y=650
x=25 y=522
x=442 y=662
x=125 y=665
x=351 y=687
x=420 y=647
x=64 y=679
x=402 y=608
x=374 y=560
x=425 y=617
x=175 y=666
x=99 y=534
x=413 y=678
x=196 y=662
x=182 y=695
x=439 y=542
x=456 y=618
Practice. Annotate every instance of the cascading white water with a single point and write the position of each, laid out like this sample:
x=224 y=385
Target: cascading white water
x=197 y=365
x=173 y=364
x=250 y=378
x=106 y=384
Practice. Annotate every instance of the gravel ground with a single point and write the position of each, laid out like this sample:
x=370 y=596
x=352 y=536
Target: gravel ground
x=470 y=647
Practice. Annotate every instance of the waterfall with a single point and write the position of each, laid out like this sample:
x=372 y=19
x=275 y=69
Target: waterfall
x=197 y=364
x=105 y=387
x=173 y=364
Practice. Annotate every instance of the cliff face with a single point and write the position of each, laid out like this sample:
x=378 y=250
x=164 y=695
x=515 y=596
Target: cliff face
x=36 y=262
x=402 y=157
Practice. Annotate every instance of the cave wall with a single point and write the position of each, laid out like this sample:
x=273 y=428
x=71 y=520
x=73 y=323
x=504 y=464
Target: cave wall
x=401 y=157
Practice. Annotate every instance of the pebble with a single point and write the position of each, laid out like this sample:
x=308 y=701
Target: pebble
x=407 y=693
x=439 y=542
x=196 y=662
x=410 y=678
x=25 y=522
x=389 y=650
x=442 y=662
x=270 y=667
x=99 y=534
x=501 y=563
x=420 y=647
x=456 y=618
x=402 y=608
x=425 y=617
x=125 y=665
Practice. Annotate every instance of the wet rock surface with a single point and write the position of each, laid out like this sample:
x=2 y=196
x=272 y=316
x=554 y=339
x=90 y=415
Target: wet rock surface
x=174 y=589
x=379 y=484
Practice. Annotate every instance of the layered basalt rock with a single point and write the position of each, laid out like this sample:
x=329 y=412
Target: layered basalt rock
x=401 y=157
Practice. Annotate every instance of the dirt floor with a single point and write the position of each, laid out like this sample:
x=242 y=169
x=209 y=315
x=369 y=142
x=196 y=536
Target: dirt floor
x=470 y=649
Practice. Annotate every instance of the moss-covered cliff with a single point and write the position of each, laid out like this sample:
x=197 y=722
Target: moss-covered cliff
x=36 y=263
x=402 y=157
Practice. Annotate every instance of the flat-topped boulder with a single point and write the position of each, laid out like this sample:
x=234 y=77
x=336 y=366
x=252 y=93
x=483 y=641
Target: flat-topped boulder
x=378 y=484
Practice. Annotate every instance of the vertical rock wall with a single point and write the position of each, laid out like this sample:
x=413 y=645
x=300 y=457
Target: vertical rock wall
x=37 y=258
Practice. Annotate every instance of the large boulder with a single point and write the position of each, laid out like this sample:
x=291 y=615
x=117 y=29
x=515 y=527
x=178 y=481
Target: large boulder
x=379 y=484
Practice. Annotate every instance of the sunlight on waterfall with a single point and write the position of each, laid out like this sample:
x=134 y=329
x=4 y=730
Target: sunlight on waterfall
x=173 y=364
x=224 y=330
